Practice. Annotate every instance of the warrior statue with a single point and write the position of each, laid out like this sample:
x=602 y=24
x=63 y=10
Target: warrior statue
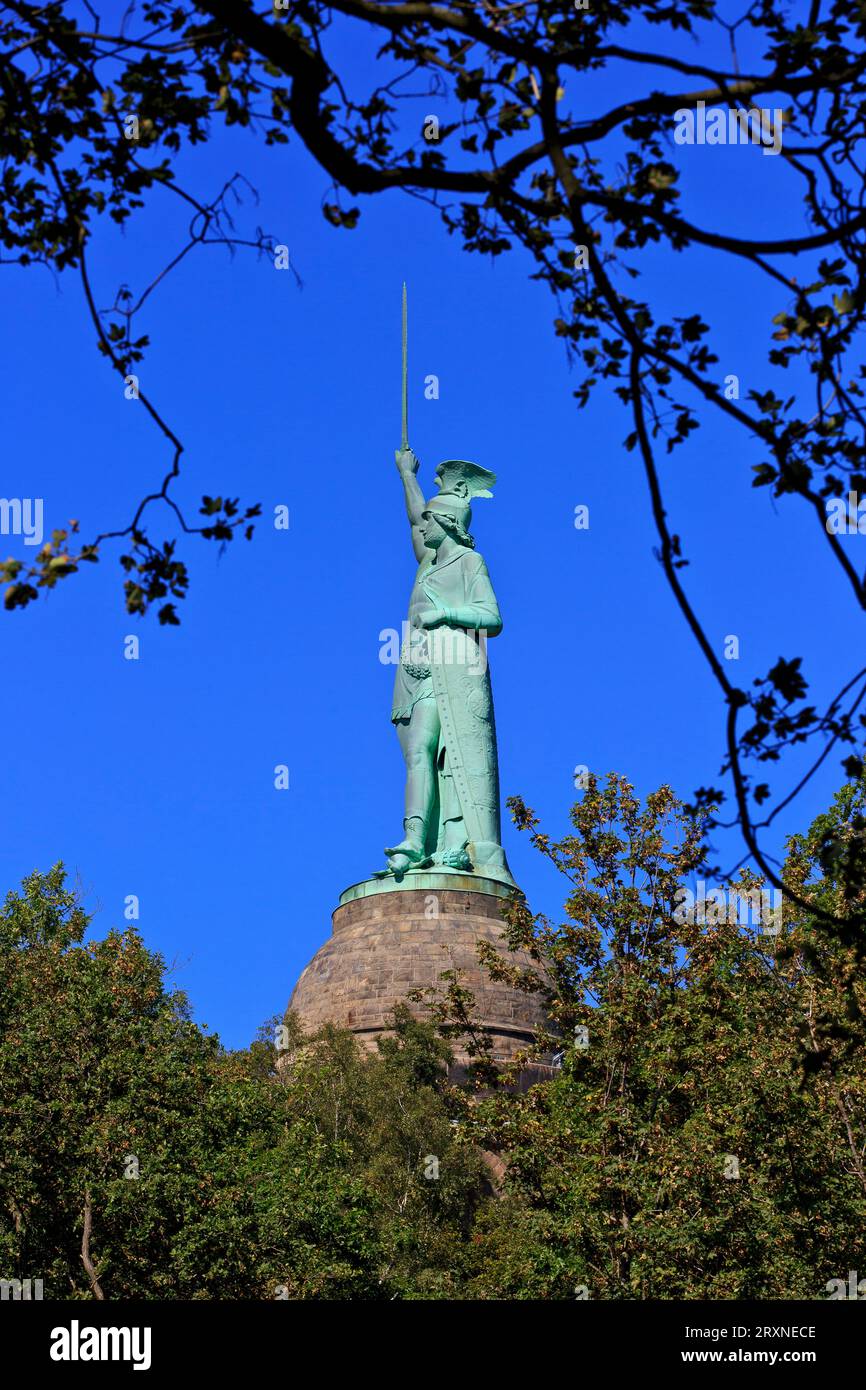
x=443 y=703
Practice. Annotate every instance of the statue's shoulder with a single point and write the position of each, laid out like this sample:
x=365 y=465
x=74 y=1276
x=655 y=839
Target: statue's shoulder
x=474 y=561
x=468 y=563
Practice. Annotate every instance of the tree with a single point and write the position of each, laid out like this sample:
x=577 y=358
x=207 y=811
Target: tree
x=93 y=119
x=101 y=1077
x=141 y=1160
x=704 y=1136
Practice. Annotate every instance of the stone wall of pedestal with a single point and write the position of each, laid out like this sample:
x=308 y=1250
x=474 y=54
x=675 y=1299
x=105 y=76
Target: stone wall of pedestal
x=390 y=942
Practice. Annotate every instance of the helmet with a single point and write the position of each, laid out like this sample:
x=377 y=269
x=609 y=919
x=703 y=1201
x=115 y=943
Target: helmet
x=458 y=481
x=450 y=507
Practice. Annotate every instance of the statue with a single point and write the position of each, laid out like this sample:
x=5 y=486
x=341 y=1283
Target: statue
x=385 y=940
x=443 y=703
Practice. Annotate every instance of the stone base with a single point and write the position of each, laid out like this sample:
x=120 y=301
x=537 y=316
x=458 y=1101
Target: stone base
x=386 y=943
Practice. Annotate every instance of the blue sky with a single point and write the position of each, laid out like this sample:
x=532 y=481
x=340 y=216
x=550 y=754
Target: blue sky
x=156 y=777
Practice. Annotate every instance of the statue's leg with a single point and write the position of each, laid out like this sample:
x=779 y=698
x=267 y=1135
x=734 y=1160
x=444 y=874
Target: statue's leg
x=419 y=740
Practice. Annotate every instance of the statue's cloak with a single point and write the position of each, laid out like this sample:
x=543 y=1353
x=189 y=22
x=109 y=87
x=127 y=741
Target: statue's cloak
x=461 y=590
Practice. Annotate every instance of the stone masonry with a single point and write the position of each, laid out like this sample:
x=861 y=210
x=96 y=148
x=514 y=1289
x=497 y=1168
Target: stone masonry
x=388 y=943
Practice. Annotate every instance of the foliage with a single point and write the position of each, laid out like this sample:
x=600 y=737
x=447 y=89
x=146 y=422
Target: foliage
x=694 y=1144
x=206 y=1174
x=702 y=1137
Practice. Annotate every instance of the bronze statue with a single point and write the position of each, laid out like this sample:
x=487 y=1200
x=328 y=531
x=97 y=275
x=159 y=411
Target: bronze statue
x=443 y=702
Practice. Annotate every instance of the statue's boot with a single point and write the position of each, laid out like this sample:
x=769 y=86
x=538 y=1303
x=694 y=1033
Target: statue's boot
x=397 y=865
x=412 y=847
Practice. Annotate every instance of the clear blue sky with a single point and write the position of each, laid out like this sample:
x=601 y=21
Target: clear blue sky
x=156 y=777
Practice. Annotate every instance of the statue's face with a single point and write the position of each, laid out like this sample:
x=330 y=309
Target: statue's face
x=432 y=530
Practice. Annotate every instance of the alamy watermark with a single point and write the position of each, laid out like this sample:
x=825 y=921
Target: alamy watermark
x=759 y=906
x=730 y=125
x=21 y=1289
x=22 y=516
x=77 y=1343
x=852 y=1287
x=418 y=648
x=846 y=517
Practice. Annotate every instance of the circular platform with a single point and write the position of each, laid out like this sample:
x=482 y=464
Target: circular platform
x=429 y=880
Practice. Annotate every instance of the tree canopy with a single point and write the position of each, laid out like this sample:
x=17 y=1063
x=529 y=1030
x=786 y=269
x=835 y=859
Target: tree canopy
x=701 y=1136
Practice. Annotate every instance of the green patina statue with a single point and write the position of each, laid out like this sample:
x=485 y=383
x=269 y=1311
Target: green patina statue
x=443 y=702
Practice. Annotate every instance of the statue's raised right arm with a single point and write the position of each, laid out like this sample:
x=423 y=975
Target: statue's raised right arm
x=407 y=467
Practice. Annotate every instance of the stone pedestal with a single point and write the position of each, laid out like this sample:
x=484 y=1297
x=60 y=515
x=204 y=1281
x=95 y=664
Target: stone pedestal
x=388 y=940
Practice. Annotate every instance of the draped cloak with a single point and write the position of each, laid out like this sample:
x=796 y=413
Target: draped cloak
x=449 y=664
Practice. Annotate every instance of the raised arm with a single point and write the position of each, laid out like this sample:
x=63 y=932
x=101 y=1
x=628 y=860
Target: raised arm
x=407 y=467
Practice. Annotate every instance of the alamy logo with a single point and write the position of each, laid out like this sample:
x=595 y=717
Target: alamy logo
x=727 y=905
x=77 y=1343
x=846 y=518
x=730 y=125
x=852 y=1288
x=24 y=1289
x=22 y=516
x=416 y=648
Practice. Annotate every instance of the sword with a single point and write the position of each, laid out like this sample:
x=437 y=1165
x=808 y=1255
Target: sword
x=404 y=444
